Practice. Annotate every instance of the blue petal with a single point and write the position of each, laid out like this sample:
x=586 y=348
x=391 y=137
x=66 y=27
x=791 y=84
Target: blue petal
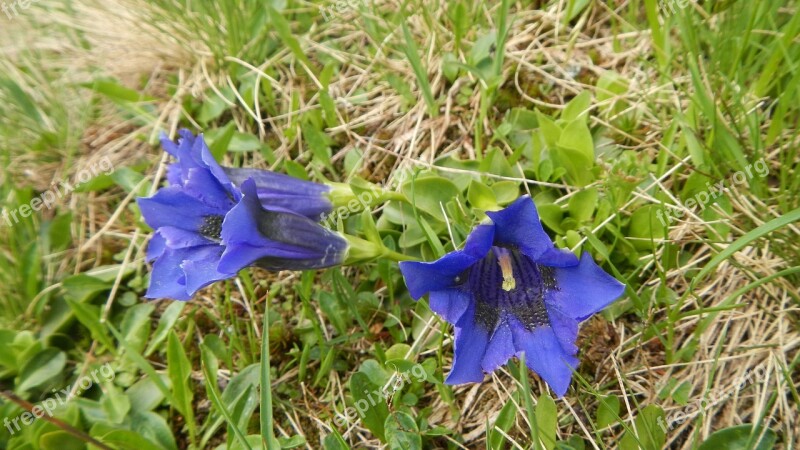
x=479 y=241
x=185 y=154
x=172 y=206
x=156 y=247
x=518 y=225
x=565 y=329
x=174 y=174
x=192 y=153
x=206 y=159
x=201 y=270
x=167 y=279
x=424 y=277
x=268 y=181
x=202 y=184
x=470 y=347
x=178 y=238
x=292 y=194
x=285 y=241
x=545 y=356
x=584 y=289
x=450 y=304
x=500 y=349
x=168 y=145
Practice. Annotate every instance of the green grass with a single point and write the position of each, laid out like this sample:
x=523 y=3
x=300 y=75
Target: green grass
x=605 y=116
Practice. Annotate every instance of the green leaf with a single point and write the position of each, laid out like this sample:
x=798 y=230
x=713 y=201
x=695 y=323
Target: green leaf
x=429 y=193
x=210 y=367
x=412 y=54
x=89 y=316
x=46 y=365
x=550 y=131
x=60 y=440
x=244 y=142
x=291 y=442
x=319 y=143
x=284 y=30
x=81 y=288
x=611 y=85
x=582 y=205
x=645 y=227
x=165 y=323
x=650 y=429
x=219 y=140
x=505 y=192
x=154 y=428
x=481 y=196
x=607 y=411
x=121 y=438
x=144 y=395
x=136 y=325
x=334 y=441
x=576 y=107
x=741 y=437
x=402 y=432
x=265 y=388
x=179 y=370
x=115 y=404
x=576 y=136
x=505 y=419
x=547 y=421
x=23 y=100
x=551 y=215
x=116 y=91
x=373 y=416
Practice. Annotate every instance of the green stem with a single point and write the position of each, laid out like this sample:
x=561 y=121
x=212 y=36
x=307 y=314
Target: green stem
x=362 y=250
x=395 y=256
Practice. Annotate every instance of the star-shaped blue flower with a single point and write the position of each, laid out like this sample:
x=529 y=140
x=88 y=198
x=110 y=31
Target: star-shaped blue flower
x=511 y=291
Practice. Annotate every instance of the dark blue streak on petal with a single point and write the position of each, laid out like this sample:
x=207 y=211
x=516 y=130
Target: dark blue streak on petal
x=525 y=301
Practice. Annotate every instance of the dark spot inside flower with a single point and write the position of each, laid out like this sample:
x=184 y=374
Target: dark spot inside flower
x=212 y=227
x=508 y=282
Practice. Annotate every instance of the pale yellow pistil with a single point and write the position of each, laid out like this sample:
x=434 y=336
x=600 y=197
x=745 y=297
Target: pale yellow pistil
x=504 y=260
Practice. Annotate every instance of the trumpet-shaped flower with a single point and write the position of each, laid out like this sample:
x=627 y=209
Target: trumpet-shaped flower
x=275 y=239
x=508 y=291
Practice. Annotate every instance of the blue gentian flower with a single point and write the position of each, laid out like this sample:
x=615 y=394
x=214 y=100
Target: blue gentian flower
x=511 y=291
x=187 y=216
x=275 y=190
x=275 y=239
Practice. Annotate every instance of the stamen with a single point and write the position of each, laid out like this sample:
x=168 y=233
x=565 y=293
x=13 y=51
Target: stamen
x=504 y=260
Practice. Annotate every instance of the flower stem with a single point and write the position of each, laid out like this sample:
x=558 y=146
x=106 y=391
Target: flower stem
x=362 y=250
